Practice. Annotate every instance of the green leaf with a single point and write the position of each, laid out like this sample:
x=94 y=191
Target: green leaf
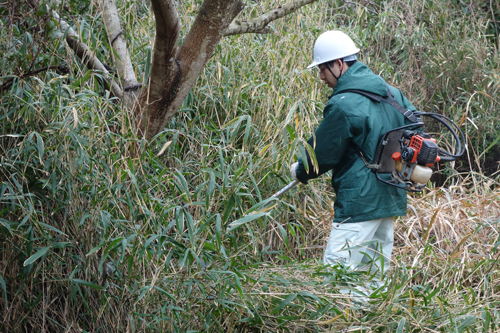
x=169 y=295
x=490 y=146
x=312 y=156
x=55 y=33
x=143 y=293
x=124 y=247
x=94 y=249
x=4 y=288
x=84 y=217
x=247 y=131
x=183 y=184
x=401 y=325
x=112 y=245
x=468 y=321
x=238 y=223
x=175 y=308
x=78 y=83
x=42 y=10
x=104 y=256
x=303 y=156
x=306 y=294
x=237 y=283
x=190 y=225
x=88 y=284
x=486 y=317
x=291 y=112
x=210 y=189
x=209 y=247
x=37 y=255
x=291 y=132
x=51 y=228
x=218 y=228
x=6 y=224
x=283 y=234
x=285 y=302
x=39 y=146
x=60 y=245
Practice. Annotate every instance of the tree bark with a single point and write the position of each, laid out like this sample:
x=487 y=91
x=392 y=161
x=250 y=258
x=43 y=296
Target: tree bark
x=121 y=60
x=173 y=75
x=117 y=42
x=164 y=76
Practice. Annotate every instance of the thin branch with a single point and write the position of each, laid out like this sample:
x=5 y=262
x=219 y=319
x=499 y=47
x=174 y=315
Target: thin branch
x=8 y=83
x=259 y=24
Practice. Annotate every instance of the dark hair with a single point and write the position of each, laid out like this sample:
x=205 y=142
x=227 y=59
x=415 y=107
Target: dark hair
x=349 y=63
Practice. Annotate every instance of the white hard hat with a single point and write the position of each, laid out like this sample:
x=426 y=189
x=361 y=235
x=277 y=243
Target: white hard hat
x=332 y=45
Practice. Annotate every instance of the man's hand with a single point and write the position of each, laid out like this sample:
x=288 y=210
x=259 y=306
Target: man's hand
x=293 y=170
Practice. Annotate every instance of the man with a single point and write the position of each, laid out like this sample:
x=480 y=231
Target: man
x=352 y=125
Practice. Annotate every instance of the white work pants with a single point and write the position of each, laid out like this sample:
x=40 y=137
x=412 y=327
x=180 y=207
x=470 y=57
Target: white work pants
x=361 y=244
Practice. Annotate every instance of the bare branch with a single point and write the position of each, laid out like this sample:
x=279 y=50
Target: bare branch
x=117 y=41
x=83 y=51
x=8 y=83
x=259 y=24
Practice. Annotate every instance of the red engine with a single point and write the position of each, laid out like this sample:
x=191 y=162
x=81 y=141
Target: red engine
x=419 y=148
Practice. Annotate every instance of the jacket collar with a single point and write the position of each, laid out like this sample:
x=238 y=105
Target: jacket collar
x=360 y=77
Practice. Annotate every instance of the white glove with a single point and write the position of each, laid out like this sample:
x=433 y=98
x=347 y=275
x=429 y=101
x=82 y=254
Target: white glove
x=293 y=170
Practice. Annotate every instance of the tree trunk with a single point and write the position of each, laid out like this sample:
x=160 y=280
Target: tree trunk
x=174 y=71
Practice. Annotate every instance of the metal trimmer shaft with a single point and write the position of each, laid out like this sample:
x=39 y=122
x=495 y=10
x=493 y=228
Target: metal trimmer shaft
x=276 y=195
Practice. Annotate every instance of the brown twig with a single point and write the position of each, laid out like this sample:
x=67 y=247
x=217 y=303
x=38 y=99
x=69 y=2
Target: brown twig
x=8 y=83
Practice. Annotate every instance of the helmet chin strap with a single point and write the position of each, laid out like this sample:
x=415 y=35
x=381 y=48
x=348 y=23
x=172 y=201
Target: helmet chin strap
x=335 y=76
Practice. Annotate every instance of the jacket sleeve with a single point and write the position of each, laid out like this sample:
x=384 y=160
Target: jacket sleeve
x=333 y=137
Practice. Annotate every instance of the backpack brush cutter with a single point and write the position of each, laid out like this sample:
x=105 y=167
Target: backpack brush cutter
x=406 y=153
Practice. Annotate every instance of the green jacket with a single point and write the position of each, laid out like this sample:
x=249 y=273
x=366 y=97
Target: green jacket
x=351 y=120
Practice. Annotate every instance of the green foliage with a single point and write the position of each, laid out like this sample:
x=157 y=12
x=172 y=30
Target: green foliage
x=101 y=231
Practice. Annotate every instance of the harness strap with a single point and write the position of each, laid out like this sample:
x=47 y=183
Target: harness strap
x=368 y=165
x=389 y=100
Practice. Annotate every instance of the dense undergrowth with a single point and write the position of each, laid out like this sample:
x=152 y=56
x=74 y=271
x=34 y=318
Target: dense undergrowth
x=103 y=232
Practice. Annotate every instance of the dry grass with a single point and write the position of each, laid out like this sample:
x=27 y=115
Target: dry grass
x=447 y=244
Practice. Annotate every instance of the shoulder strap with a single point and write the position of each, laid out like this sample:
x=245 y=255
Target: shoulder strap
x=389 y=100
